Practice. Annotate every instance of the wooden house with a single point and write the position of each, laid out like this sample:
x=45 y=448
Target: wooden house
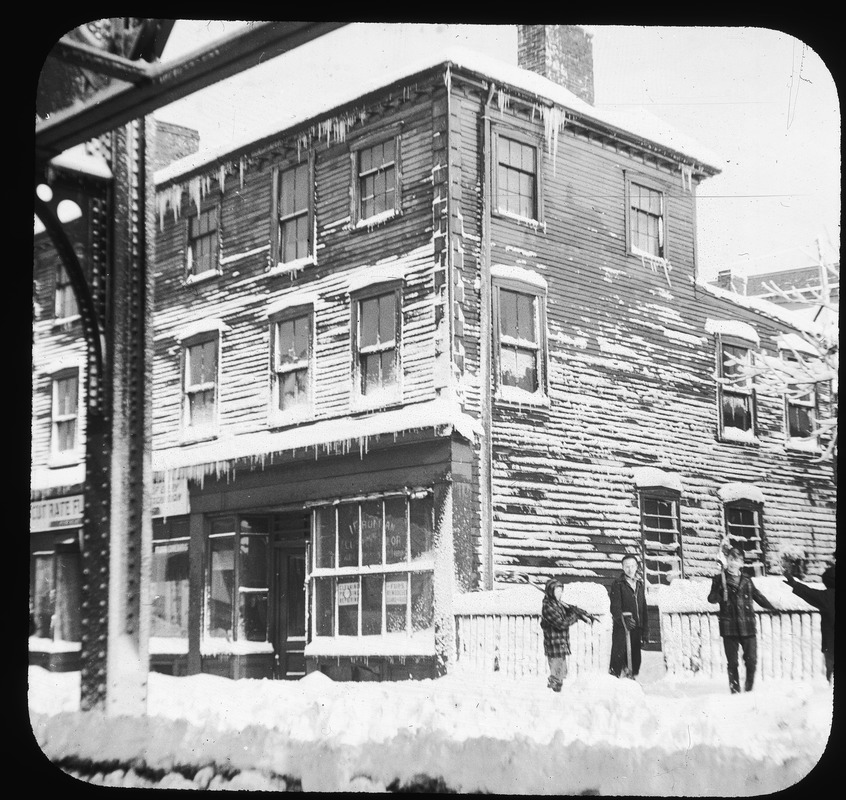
x=440 y=334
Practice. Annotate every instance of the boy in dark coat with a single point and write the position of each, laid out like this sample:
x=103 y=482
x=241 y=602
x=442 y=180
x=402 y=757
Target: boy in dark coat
x=556 y=619
x=735 y=592
x=823 y=599
x=628 y=612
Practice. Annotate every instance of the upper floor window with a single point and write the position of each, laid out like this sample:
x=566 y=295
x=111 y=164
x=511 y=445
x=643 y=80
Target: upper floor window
x=646 y=219
x=800 y=406
x=660 y=536
x=736 y=392
x=376 y=348
x=294 y=214
x=517 y=177
x=65 y=299
x=520 y=329
x=65 y=415
x=376 y=188
x=203 y=243
x=200 y=385
x=291 y=358
x=744 y=530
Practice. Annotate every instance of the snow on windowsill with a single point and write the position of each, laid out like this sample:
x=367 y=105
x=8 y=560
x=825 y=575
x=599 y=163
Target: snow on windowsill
x=518 y=274
x=519 y=218
x=39 y=644
x=212 y=646
x=370 y=276
x=59 y=322
x=420 y=643
x=201 y=277
x=730 y=434
x=802 y=444
x=520 y=397
x=522 y=599
x=732 y=327
x=168 y=646
x=651 y=477
x=292 y=267
x=70 y=459
x=376 y=219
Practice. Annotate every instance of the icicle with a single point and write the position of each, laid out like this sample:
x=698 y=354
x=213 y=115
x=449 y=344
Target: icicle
x=242 y=163
x=221 y=177
x=448 y=78
x=686 y=177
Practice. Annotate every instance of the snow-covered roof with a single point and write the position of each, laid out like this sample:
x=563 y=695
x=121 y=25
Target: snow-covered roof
x=220 y=456
x=732 y=327
x=642 y=125
x=78 y=159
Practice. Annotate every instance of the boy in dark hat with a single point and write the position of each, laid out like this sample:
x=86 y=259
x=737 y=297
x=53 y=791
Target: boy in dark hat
x=734 y=592
x=556 y=619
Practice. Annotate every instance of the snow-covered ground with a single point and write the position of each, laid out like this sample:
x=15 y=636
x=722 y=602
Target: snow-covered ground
x=653 y=736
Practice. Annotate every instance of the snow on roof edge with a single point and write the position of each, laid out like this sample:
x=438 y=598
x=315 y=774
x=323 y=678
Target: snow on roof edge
x=516 y=77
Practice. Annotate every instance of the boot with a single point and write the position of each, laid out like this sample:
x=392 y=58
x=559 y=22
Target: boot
x=750 y=680
x=734 y=680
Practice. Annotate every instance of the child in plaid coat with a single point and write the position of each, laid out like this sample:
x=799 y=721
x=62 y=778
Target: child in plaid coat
x=556 y=619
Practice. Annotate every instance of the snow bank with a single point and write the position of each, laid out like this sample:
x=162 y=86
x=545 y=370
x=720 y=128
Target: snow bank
x=690 y=595
x=523 y=599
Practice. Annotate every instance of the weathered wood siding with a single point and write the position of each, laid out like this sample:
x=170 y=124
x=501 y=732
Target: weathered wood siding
x=241 y=294
x=631 y=371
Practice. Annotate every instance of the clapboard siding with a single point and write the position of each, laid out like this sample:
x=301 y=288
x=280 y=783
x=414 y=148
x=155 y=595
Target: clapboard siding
x=631 y=371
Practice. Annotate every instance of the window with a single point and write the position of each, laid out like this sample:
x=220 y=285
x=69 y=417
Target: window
x=745 y=532
x=660 y=537
x=736 y=394
x=65 y=300
x=800 y=403
x=520 y=327
x=56 y=592
x=294 y=216
x=376 y=335
x=237 y=579
x=517 y=178
x=291 y=346
x=203 y=243
x=376 y=189
x=200 y=385
x=646 y=221
x=169 y=584
x=65 y=414
x=372 y=566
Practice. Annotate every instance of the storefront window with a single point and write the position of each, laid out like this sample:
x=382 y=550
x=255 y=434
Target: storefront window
x=56 y=592
x=44 y=596
x=221 y=584
x=387 y=590
x=169 y=587
x=252 y=586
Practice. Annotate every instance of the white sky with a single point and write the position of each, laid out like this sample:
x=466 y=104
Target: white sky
x=759 y=98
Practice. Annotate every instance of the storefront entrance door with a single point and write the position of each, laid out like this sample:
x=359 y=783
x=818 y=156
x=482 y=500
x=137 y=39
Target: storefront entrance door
x=289 y=634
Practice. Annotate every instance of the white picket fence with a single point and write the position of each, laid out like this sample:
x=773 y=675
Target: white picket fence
x=512 y=644
x=788 y=645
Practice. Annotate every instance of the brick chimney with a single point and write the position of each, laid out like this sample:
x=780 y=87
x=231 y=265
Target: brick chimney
x=173 y=142
x=562 y=53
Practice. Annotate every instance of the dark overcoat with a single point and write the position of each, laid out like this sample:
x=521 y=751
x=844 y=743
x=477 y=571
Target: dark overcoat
x=624 y=599
x=737 y=614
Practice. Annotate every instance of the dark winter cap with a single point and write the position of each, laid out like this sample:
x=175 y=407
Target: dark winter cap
x=550 y=586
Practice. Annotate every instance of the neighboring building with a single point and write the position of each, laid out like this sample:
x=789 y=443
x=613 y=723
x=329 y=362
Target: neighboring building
x=800 y=284
x=437 y=337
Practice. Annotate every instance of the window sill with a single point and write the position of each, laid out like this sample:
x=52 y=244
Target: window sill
x=63 y=322
x=737 y=436
x=377 y=403
x=530 y=222
x=292 y=267
x=512 y=396
x=637 y=253
x=67 y=460
x=291 y=418
x=202 y=277
x=191 y=437
x=809 y=446
x=377 y=219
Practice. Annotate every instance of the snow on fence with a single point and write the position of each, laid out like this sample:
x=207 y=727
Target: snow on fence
x=499 y=631
x=788 y=642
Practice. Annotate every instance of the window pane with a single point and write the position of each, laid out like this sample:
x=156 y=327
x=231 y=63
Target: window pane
x=347 y=607
x=201 y=408
x=508 y=313
x=371 y=605
x=387 y=366
x=387 y=318
x=527 y=375
x=371 y=532
x=253 y=552
x=202 y=363
x=252 y=615
x=737 y=411
x=508 y=366
x=348 y=535
x=421 y=518
x=324 y=606
x=368 y=322
x=66 y=435
x=799 y=420
x=371 y=373
x=169 y=589
x=67 y=395
x=526 y=327
x=396 y=530
x=296 y=595
x=68 y=597
x=396 y=602
x=221 y=581
x=324 y=537
x=43 y=600
x=422 y=606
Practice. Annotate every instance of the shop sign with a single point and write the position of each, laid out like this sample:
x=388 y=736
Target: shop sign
x=174 y=503
x=348 y=593
x=61 y=512
x=396 y=592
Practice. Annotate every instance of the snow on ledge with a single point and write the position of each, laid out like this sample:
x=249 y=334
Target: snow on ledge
x=519 y=274
x=77 y=159
x=731 y=327
x=421 y=643
x=730 y=492
x=211 y=646
x=525 y=599
x=38 y=644
x=651 y=477
x=292 y=301
x=374 y=275
x=690 y=596
x=208 y=325
x=730 y=434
